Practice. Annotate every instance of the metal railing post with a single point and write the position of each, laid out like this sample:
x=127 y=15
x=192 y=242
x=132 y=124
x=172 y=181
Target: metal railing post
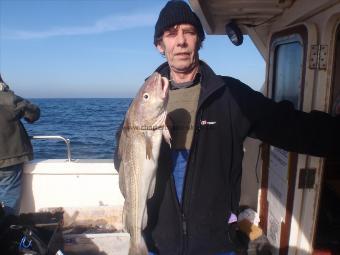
x=66 y=140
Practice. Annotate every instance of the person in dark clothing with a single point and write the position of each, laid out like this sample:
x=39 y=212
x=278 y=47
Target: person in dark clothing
x=198 y=179
x=15 y=145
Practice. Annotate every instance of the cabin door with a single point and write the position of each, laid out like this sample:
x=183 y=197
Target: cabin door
x=327 y=232
x=286 y=82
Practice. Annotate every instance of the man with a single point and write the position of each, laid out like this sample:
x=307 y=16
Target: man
x=198 y=178
x=15 y=145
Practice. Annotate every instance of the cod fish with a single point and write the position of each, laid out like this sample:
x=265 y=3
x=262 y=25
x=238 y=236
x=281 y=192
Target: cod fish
x=138 y=151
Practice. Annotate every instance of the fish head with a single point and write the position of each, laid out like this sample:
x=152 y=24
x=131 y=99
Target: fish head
x=151 y=100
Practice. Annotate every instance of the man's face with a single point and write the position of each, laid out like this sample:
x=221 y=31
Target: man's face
x=180 y=46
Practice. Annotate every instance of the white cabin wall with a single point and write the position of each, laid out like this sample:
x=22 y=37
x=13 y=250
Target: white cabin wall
x=250 y=188
x=249 y=185
x=301 y=11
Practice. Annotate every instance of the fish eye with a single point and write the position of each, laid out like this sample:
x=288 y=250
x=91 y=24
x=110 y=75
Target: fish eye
x=146 y=96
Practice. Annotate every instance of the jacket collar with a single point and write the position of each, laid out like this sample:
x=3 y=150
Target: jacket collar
x=210 y=82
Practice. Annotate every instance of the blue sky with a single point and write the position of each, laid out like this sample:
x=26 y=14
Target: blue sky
x=98 y=48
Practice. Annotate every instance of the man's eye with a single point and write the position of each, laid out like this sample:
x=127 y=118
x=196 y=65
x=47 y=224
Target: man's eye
x=170 y=34
x=190 y=32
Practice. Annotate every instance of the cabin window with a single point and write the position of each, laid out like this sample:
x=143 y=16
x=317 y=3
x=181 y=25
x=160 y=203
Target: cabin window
x=288 y=72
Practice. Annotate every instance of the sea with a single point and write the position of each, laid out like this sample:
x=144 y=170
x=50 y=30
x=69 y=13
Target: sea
x=89 y=123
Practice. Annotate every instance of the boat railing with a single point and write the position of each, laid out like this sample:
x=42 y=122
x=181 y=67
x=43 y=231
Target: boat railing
x=58 y=137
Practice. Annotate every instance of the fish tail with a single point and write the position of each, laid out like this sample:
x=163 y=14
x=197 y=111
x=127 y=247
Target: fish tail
x=138 y=248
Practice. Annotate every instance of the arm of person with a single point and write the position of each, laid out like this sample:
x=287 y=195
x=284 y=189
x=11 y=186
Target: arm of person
x=30 y=112
x=279 y=124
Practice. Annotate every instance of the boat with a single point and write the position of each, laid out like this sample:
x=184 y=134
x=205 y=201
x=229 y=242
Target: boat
x=300 y=43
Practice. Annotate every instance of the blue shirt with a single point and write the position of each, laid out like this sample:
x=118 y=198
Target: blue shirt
x=179 y=159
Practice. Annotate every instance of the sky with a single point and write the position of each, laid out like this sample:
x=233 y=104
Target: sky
x=98 y=48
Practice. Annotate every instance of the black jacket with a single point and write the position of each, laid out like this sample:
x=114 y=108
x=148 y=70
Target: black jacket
x=228 y=111
x=15 y=144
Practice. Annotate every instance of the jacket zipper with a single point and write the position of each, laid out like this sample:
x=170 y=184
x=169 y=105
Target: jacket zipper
x=189 y=180
x=184 y=225
x=188 y=187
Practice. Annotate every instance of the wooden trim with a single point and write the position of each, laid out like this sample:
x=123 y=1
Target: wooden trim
x=285 y=227
x=264 y=187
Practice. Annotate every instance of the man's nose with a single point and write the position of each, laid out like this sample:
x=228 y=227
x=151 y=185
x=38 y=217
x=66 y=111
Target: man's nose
x=181 y=38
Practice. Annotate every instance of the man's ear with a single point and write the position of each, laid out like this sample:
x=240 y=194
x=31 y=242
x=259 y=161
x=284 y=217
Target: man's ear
x=160 y=48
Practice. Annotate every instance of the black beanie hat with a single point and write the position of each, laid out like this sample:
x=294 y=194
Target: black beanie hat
x=177 y=12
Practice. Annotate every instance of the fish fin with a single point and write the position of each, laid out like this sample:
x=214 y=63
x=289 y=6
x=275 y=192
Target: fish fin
x=138 y=248
x=152 y=187
x=148 y=147
x=150 y=194
x=124 y=217
x=167 y=136
x=122 y=186
x=117 y=155
x=123 y=137
x=145 y=218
